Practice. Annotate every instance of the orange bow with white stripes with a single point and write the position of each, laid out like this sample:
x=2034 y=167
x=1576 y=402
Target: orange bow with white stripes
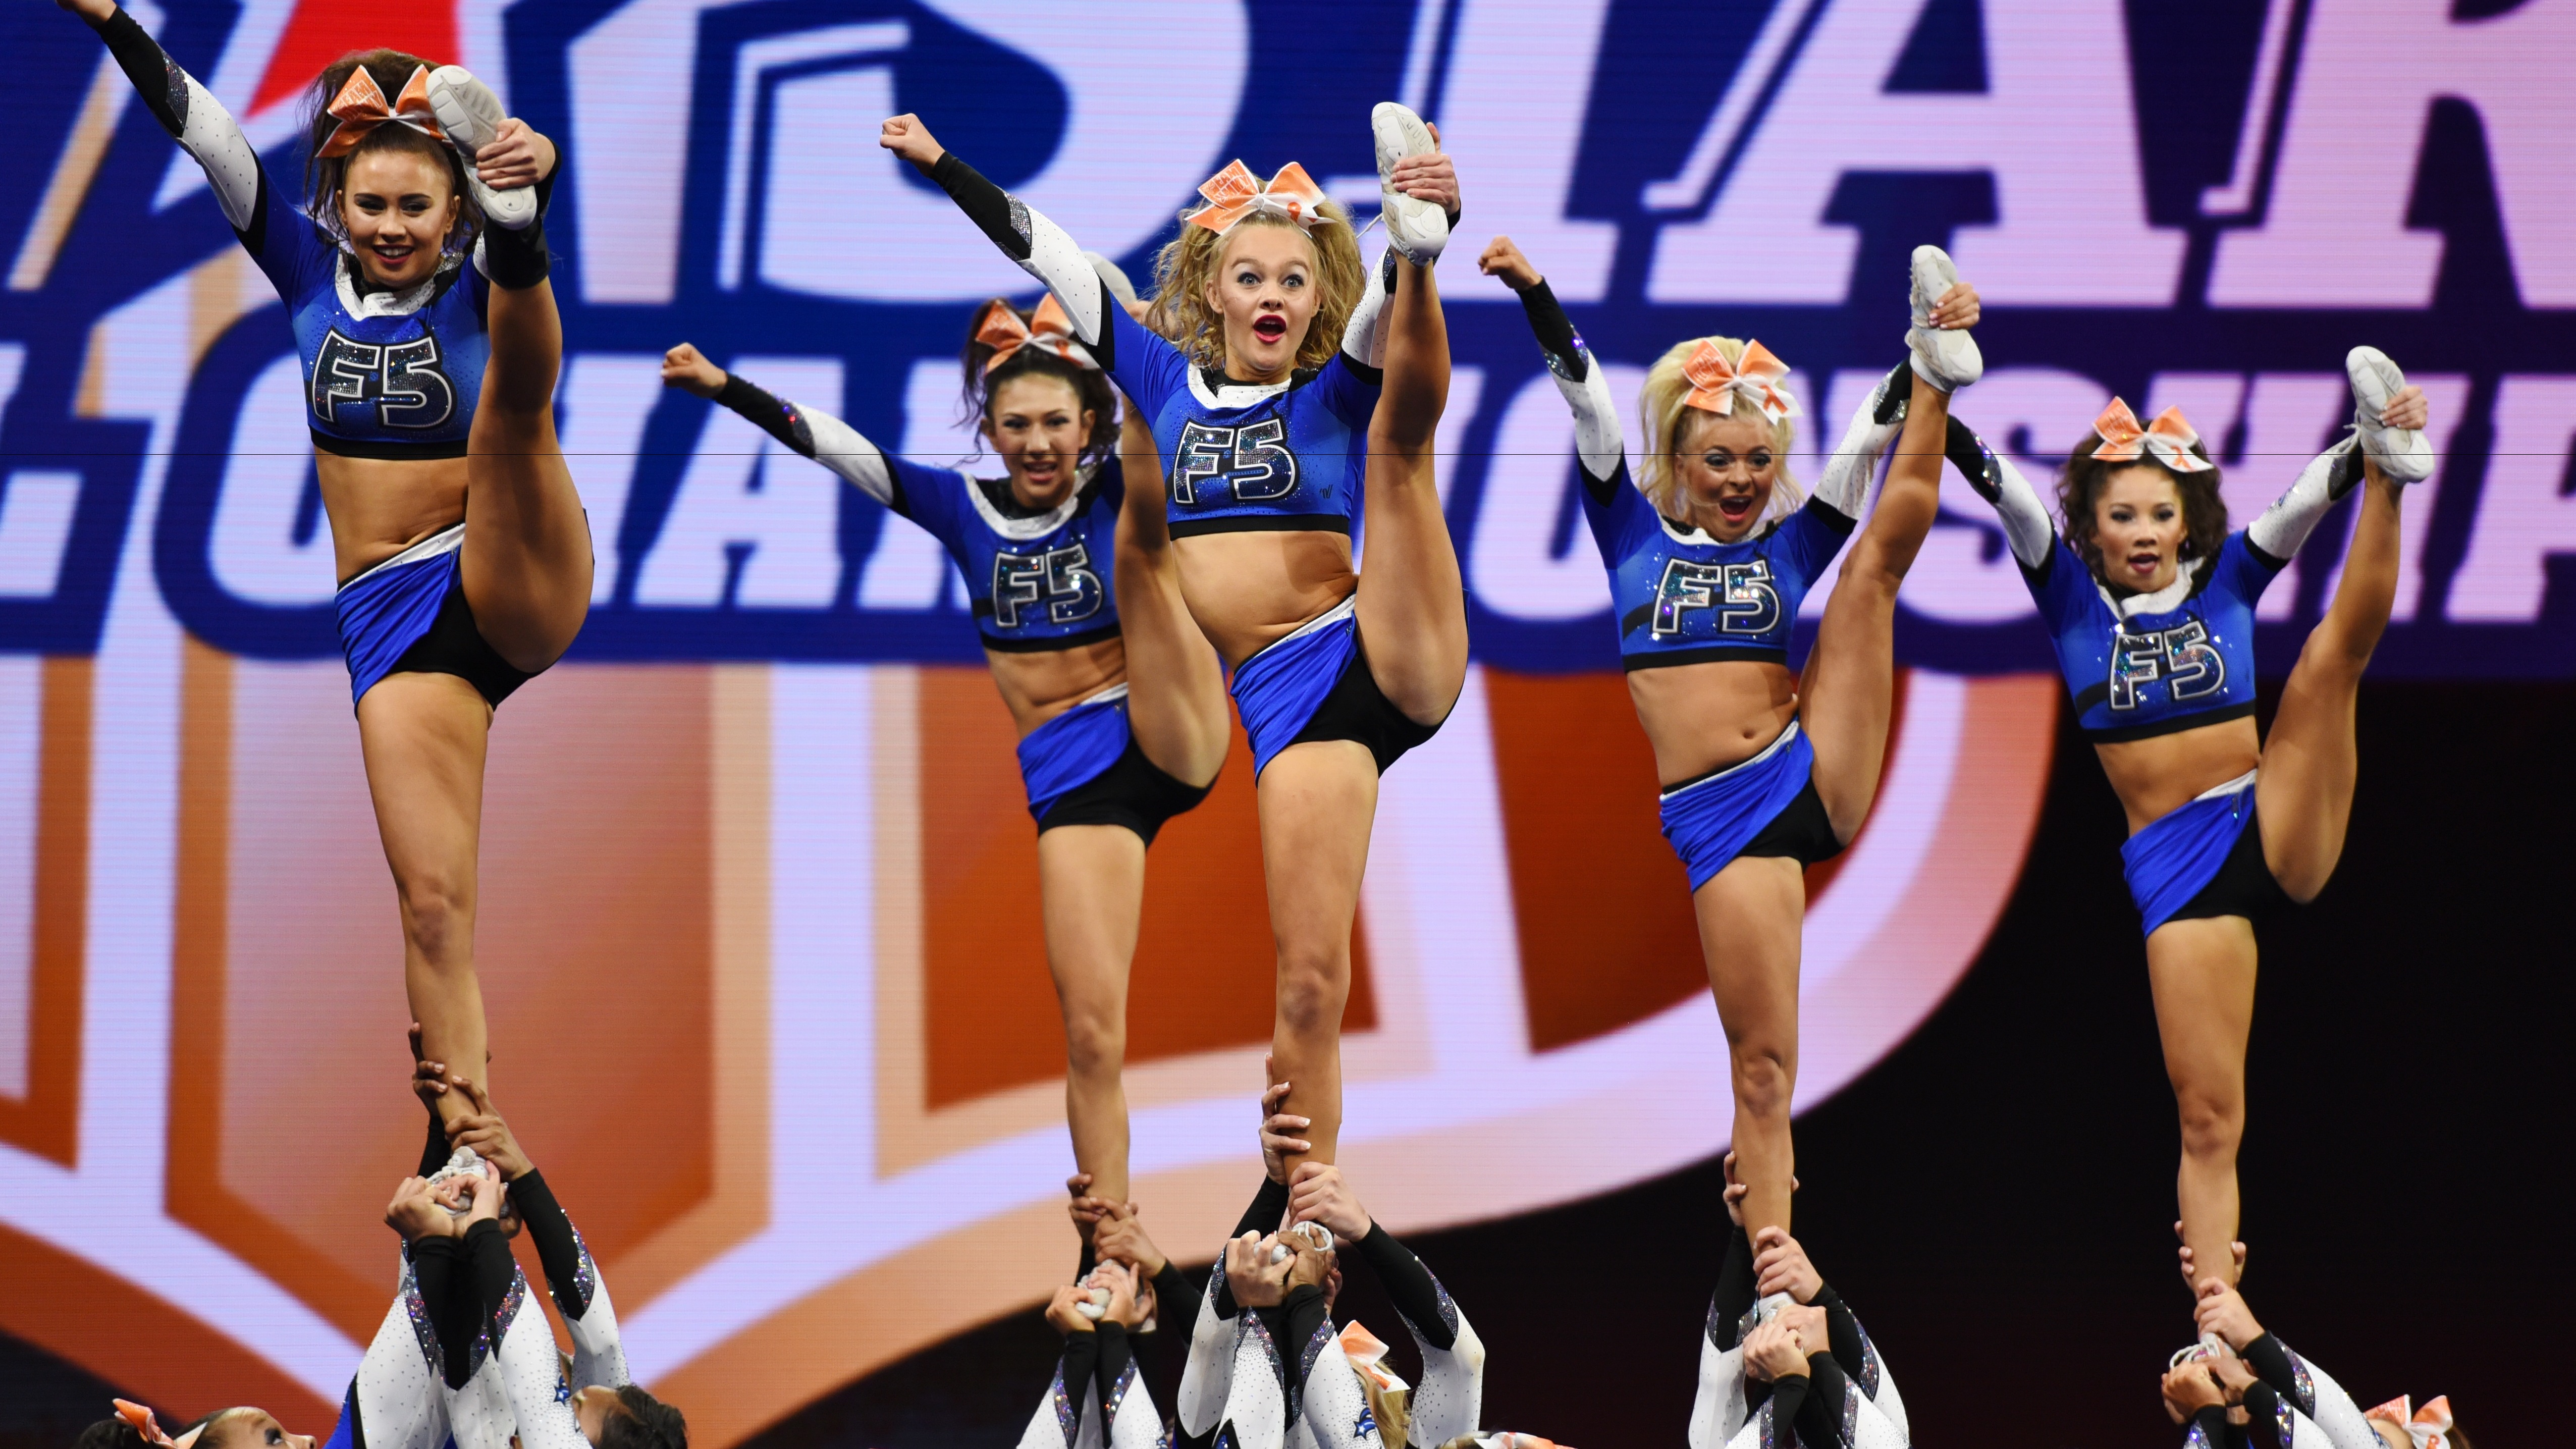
x=2429 y=1426
x=361 y=107
x=2169 y=439
x=1048 y=330
x=149 y=1428
x=1235 y=193
x=1756 y=377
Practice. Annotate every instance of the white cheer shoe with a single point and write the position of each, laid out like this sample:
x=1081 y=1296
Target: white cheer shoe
x=1416 y=229
x=471 y=116
x=2404 y=454
x=1947 y=358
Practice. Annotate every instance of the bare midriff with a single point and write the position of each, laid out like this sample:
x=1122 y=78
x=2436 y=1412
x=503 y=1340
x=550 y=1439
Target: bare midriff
x=1249 y=590
x=1038 y=687
x=2155 y=777
x=380 y=506
x=1707 y=716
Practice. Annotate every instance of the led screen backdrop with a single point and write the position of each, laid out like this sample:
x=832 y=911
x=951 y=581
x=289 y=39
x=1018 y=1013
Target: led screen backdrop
x=759 y=929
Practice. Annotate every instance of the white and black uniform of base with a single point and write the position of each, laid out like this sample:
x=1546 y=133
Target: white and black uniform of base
x=504 y=1376
x=1278 y=1376
x=2295 y=1405
x=1847 y=1400
x=1098 y=1399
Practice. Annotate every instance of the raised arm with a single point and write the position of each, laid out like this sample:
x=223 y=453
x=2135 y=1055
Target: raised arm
x=811 y=432
x=2027 y=526
x=1024 y=234
x=1781 y=1265
x=1450 y=1399
x=2305 y=1387
x=185 y=109
x=1596 y=416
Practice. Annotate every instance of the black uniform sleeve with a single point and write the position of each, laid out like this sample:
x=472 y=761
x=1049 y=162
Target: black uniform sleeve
x=2270 y=1360
x=1820 y=1409
x=1300 y=1315
x=1735 y=1294
x=1176 y=1303
x=1114 y=1354
x=441 y=1270
x=1555 y=333
x=1788 y=1399
x=2210 y=1427
x=1416 y=1293
x=155 y=77
x=1842 y=1328
x=434 y=1151
x=1081 y=1363
x=1268 y=1206
x=558 y=1250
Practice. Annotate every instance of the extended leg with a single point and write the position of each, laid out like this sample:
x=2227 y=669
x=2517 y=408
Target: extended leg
x=2304 y=798
x=423 y=738
x=527 y=556
x=2203 y=975
x=1412 y=605
x=1175 y=685
x=1749 y=916
x=1850 y=683
x=1091 y=881
x=1318 y=801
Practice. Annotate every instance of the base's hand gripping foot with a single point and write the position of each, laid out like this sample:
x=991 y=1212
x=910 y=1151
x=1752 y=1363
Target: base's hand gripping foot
x=1417 y=230
x=471 y=116
x=2404 y=454
x=1944 y=357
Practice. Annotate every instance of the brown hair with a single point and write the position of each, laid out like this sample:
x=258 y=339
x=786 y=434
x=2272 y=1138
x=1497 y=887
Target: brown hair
x=641 y=1421
x=324 y=177
x=1188 y=262
x=2080 y=485
x=1089 y=384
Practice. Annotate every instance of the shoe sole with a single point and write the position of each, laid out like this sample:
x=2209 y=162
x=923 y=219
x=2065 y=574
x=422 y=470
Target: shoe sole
x=469 y=129
x=1399 y=133
x=1954 y=356
x=2401 y=453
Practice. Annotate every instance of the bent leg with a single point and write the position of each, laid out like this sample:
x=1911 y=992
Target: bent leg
x=2304 y=798
x=1412 y=606
x=2203 y=975
x=526 y=563
x=1749 y=919
x=1091 y=885
x=1850 y=680
x=1318 y=801
x=1175 y=684
x=423 y=737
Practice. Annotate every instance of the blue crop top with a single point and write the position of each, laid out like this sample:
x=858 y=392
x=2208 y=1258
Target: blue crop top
x=1680 y=596
x=1239 y=457
x=387 y=374
x=2152 y=664
x=1039 y=580
x=1236 y=457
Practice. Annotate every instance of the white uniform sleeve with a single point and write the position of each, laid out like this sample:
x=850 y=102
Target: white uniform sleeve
x=1208 y=1375
x=1335 y=1407
x=1364 y=337
x=396 y=1395
x=192 y=116
x=2027 y=526
x=2324 y=1401
x=531 y=1374
x=2320 y=485
x=1844 y=484
x=1718 y=1412
x=815 y=434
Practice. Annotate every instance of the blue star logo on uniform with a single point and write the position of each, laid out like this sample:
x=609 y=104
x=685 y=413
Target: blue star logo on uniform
x=563 y=1390
x=1367 y=1424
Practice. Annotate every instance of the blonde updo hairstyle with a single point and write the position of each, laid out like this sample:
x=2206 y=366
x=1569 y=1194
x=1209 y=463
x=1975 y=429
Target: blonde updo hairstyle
x=1188 y=262
x=1664 y=408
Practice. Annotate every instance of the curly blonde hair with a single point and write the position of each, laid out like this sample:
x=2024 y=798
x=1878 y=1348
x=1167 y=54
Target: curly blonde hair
x=1663 y=407
x=1188 y=262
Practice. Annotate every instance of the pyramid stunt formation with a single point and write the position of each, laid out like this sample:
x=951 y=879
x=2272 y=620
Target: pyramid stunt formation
x=1218 y=445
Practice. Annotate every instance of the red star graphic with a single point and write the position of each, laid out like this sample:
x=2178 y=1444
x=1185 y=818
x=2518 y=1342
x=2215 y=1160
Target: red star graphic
x=321 y=31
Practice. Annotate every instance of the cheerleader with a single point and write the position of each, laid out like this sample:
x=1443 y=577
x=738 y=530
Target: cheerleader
x=1097 y=1400
x=2149 y=600
x=1710 y=552
x=1782 y=1348
x=421 y=311
x=1116 y=696
x=1300 y=400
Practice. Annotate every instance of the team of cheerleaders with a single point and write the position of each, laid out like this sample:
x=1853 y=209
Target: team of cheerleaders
x=1277 y=395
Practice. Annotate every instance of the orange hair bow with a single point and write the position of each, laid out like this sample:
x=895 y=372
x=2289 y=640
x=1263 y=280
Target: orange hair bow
x=2169 y=438
x=1001 y=329
x=2429 y=1426
x=361 y=107
x=1235 y=193
x=1716 y=382
x=150 y=1428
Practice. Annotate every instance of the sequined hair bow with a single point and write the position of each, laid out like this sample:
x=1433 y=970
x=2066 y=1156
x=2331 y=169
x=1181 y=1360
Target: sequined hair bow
x=2429 y=1426
x=1756 y=377
x=1235 y=194
x=1050 y=330
x=2169 y=439
x=361 y=108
